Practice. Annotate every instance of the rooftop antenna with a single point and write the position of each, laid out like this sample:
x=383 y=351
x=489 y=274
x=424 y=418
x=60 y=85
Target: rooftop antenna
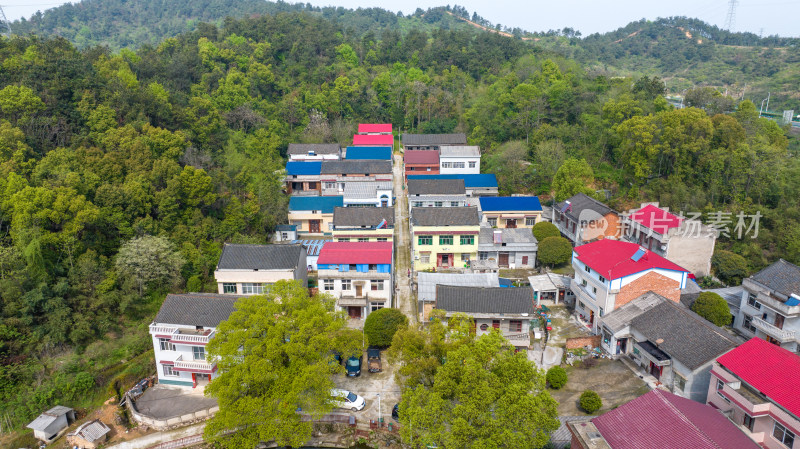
x=730 y=20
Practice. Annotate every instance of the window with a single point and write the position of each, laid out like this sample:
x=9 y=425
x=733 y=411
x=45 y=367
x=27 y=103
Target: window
x=530 y=221
x=229 y=287
x=352 y=267
x=594 y=290
x=602 y=279
x=583 y=282
x=168 y=371
x=425 y=240
x=580 y=305
x=720 y=385
x=606 y=336
x=425 y=258
x=347 y=284
x=472 y=164
x=600 y=311
x=417 y=203
x=492 y=221
x=373 y=306
x=327 y=285
x=680 y=382
x=751 y=301
x=588 y=270
x=465 y=257
x=198 y=352
x=467 y=239
x=445 y=239
x=748 y=422
x=165 y=344
x=459 y=165
x=363 y=239
x=515 y=326
x=437 y=204
x=330 y=185
x=343 y=240
x=748 y=323
x=782 y=434
x=372 y=267
x=496 y=324
x=454 y=204
x=382 y=239
x=447 y=164
x=483 y=255
x=376 y=284
x=252 y=289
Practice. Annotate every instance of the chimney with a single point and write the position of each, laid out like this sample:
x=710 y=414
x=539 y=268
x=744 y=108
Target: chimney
x=498 y=237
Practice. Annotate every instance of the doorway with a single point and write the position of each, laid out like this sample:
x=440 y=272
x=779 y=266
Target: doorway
x=201 y=380
x=313 y=225
x=502 y=260
x=511 y=223
x=591 y=317
x=655 y=370
x=384 y=201
x=359 y=290
x=354 y=312
x=445 y=260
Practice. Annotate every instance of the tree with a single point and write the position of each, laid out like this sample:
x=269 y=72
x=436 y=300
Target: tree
x=149 y=260
x=590 y=401
x=712 y=307
x=274 y=357
x=554 y=251
x=648 y=88
x=573 y=177
x=556 y=377
x=381 y=325
x=545 y=229
x=729 y=267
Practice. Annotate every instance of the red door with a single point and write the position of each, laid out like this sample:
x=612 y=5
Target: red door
x=511 y=224
x=354 y=312
x=503 y=260
x=313 y=225
x=525 y=261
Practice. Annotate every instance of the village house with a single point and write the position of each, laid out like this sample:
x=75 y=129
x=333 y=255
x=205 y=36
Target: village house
x=459 y=159
x=484 y=184
x=610 y=273
x=246 y=269
x=314 y=151
x=360 y=182
x=770 y=305
x=659 y=419
x=507 y=309
x=551 y=287
x=363 y=224
x=358 y=275
x=373 y=140
x=181 y=330
x=432 y=141
x=375 y=128
x=755 y=386
x=436 y=193
x=505 y=248
x=368 y=153
x=421 y=162
x=688 y=243
x=444 y=237
x=510 y=211
x=583 y=219
x=313 y=214
x=52 y=423
x=89 y=435
x=313 y=246
x=368 y=194
x=303 y=178
x=427 y=282
x=285 y=233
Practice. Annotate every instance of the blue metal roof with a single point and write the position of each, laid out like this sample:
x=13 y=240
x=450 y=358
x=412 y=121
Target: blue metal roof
x=502 y=203
x=321 y=203
x=370 y=153
x=304 y=167
x=313 y=247
x=481 y=180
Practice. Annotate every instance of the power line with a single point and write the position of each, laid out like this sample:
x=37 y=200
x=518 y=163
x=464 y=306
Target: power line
x=7 y=30
x=731 y=18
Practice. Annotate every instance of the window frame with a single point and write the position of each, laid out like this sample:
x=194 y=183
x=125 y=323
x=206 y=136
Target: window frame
x=347 y=284
x=226 y=287
x=198 y=351
x=786 y=434
x=165 y=345
x=376 y=285
x=425 y=240
x=467 y=240
x=446 y=240
x=328 y=285
x=169 y=370
x=529 y=221
x=252 y=288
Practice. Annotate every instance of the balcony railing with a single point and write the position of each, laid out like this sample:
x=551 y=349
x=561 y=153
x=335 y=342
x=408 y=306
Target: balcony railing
x=178 y=335
x=773 y=331
x=518 y=339
x=192 y=365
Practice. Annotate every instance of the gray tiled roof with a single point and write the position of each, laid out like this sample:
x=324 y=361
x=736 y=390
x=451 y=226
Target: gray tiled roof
x=620 y=318
x=45 y=419
x=510 y=236
x=509 y=300
x=686 y=336
x=444 y=216
x=459 y=151
x=362 y=216
x=261 y=257
x=318 y=148
x=435 y=139
x=579 y=203
x=781 y=276
x=196 y=309
x=356 y=166
x=91 y=430
x=436 y=187
x=427 y=282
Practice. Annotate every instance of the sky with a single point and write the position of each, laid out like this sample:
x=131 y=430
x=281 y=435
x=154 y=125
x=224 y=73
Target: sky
x=588 y=16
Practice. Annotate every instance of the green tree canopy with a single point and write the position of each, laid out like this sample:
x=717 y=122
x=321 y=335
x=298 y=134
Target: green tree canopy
x=149 y=260
x=554 y=251
x=590 y=401
x=545 y=229
x=729 y=267
x=713 y=307
x=381 y=325
x=573 y=177
x=556 y=377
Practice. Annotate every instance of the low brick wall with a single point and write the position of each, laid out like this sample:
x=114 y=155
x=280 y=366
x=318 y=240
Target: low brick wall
x=581 y=342
x=168 y=423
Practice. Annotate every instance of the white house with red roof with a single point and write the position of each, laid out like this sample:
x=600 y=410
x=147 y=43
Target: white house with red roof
x=757 y=386
x=687 y=242
x=358 y=275
x=611 y=273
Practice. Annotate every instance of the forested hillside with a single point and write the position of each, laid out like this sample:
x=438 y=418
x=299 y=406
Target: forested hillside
x=173 y=149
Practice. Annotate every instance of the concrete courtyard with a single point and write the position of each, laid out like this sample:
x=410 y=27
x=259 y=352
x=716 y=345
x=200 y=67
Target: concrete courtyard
x=163 y=402
x=368 y=386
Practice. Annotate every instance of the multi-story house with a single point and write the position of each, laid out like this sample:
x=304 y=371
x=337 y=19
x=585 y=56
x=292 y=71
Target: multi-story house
x=755 y=386
x=303 y=178
x=510 y=211
x=363 y=224
x=357 y=180
x=314 y=151
x=368 y=153
x=505 y=248
x=458 y=159
x=610 y=273
x=424 y=162
x=427 y=283
x=375 y=128
x=436 y=193
x=688 y=243
x=313 y=214
x=509 y=310
x=432 y=141
x=770 y=306
x=444 y=237
x=358 y=274
x=583 y=219
x=484 y=184
x=368 y=194
x=373 y=140
x=183 y=327
x=247 y=269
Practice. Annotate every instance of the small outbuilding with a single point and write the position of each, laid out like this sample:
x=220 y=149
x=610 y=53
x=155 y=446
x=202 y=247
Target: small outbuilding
x=89 y=435
x=49 y=424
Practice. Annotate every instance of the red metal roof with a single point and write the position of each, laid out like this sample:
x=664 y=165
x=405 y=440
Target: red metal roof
x=612 y=258
x=373 y=140
x=660 y=420
x=769 y=369
x=374 y=128
x=656 y=219
x=421 y=157
x=356 y=252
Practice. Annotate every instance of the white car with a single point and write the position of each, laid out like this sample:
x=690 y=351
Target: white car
x=348 y=399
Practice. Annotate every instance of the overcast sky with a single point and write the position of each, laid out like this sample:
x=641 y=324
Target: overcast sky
x=587 y=16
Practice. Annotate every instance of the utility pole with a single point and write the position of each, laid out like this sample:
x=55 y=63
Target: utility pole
x=730 y=19
x=7 y=28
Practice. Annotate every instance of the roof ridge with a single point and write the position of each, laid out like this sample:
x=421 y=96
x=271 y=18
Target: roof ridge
x=685 y=418
x=694 y=316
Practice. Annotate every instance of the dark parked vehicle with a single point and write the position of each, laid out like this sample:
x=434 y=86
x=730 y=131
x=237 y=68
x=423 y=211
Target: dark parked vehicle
x=353 y=366
x=374 y=364
x=396 y=412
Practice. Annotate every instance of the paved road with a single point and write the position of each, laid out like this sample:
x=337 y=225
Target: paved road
x=402 y=256
x=160 y=437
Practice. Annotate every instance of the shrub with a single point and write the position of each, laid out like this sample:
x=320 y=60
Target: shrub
x=556 y=377
x=380 y=326
x=729 y=267
x=712 y=307
x=194 y=284
x=554 y=251
x=590 y=401
x=545 y=229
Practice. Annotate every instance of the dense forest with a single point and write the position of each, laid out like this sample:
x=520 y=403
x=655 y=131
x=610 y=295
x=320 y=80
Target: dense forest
x=109 y=159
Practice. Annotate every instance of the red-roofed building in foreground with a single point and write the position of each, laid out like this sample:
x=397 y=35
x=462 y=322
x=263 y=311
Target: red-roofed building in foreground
x=421 y=162
x=659 y=420
x=375 y=128
x=358 y=275
x=611 y=273
x=373 y=140
x=687 y=242
x=757 y=385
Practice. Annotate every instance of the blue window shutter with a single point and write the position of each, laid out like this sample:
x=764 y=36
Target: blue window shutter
x=362 y=268
x=344 y=267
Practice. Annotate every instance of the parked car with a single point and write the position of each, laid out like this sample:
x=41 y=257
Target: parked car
x=374 y=364
x=348 y=399
x=396 y=412
x=353 y=366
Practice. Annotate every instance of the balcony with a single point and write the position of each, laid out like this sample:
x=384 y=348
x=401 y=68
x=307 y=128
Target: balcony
x=184 y=336
x=775 y=332
x=193 y=366
x=518 y=339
